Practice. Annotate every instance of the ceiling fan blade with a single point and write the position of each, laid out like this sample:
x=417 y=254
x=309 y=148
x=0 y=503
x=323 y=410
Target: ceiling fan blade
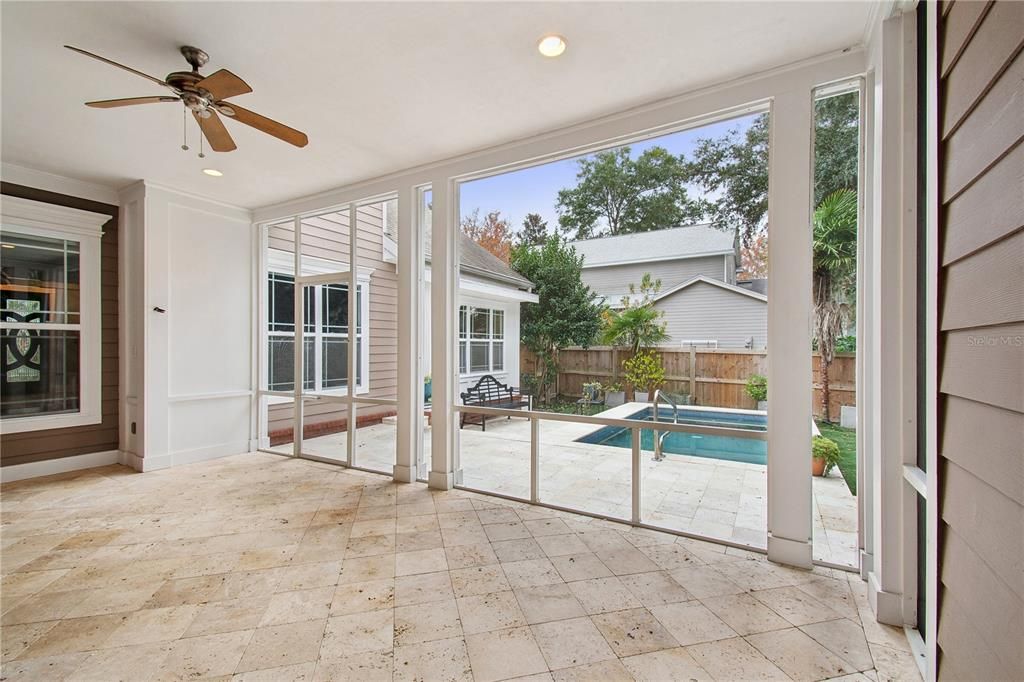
x=266 y=125
x=216 y=134
x=122 y=66
x=129 y=101
x=224 y=84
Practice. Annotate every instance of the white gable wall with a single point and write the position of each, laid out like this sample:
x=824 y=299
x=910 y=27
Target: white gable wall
x=613 y=280
x=706 y=312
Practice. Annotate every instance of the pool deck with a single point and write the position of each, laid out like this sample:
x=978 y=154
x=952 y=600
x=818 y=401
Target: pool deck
x=714 y=498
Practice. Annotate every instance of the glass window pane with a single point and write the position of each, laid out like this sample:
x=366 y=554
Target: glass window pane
x=498 y=356
x=335 y=363
x=281 y=302
x=334 y=309
x=309 y=363
x=462 y=357
x=309 y=323
x=478 y=360
x=40 y=279
x=499 y=324
x=281 y=363
x=478 y=322
x=359 y=309
x=462 y=321
x=39 y=372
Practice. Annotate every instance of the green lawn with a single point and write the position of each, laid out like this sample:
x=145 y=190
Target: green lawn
x=846 y=439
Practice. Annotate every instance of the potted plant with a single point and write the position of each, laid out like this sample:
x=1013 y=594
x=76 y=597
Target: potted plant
x=614 y=395
x=427 y=388
x=824 y=455
x=591 y=391
x=645 y=373
x=757 y=388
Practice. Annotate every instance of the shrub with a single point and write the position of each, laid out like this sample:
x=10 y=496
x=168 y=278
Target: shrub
x=826 y=449
x=757 y=387
x=644 y=371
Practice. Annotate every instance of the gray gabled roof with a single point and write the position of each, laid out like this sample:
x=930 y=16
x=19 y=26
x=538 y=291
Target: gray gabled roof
x=690 y=241
x=478 y=261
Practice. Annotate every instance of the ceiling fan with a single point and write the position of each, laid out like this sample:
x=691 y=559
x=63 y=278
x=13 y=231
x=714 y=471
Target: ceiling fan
x=205 y=96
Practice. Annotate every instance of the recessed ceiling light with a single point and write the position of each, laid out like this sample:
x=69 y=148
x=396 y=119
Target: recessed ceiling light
x=7 y=246
x=213 y=171
x=551 y=45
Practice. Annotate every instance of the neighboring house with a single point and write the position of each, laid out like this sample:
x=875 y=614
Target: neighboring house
x=489 y=296
x=702 y=301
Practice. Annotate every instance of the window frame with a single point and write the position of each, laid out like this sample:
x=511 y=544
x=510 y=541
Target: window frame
x=38 y=219
x=467 y=339
x=282 y=263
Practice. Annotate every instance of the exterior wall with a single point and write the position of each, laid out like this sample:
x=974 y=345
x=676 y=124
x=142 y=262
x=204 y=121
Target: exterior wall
x=326 y=237
x=981 y=337
x=37 y=446
x=511 y=308
x=706 y=312
x=614 y=280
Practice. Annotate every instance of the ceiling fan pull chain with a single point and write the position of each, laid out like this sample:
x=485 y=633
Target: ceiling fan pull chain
x=184 y=129
x=201 y=154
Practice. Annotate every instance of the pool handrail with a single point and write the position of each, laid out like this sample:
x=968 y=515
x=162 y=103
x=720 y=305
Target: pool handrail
x=658 y=436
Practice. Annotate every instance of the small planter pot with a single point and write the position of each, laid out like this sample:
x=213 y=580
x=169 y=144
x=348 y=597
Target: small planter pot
x=642 y=396
x=818 y=466
x=615 y=398
x=762 y=405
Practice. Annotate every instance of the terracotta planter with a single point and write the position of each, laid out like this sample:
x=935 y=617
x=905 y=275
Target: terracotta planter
x=818 y=466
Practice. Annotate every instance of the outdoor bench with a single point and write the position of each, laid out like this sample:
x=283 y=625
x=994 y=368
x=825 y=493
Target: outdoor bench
x=489 y=392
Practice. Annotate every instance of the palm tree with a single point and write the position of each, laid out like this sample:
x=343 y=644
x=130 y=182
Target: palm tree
x=638 y=325
x=834 y=270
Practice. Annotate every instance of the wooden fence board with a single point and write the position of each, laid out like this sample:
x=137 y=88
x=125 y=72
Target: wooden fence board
x=719 y=380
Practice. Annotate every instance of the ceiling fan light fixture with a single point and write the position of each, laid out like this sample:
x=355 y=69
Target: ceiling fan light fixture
x=551 y=45
x=213 y=172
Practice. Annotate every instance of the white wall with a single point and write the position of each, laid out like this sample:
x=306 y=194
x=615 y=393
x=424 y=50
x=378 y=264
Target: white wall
x=190 y=375
x=510 y=375
x=707 y=312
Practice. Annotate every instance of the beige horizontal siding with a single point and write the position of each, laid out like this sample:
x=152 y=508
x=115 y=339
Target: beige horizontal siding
x=615 y=279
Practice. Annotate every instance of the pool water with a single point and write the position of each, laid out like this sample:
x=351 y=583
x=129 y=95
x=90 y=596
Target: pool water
x=749 y=450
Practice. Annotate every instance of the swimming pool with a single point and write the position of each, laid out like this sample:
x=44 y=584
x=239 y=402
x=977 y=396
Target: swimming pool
x=749 y=450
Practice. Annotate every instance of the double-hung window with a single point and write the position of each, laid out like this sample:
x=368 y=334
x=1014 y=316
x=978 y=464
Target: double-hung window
x=326 y=334
x=481 y=340
x=50 y=353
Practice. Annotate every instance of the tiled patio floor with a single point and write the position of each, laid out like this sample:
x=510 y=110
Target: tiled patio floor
x=258 y=567
x=709 y=497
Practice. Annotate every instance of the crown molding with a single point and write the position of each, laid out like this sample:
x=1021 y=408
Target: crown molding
x=51 y=182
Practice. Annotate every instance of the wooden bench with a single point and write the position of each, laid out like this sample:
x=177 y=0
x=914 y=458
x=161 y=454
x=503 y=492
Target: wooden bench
x=489 y=392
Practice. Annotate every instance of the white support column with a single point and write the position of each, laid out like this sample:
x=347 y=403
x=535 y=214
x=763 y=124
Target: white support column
x=894 y=336
x=789 y=328
x=298 y=375
x=410 y=377
x=353 y=327
x=443 y=328
x=866 y=357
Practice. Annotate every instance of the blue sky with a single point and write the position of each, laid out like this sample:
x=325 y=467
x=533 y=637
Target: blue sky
x=535 y=190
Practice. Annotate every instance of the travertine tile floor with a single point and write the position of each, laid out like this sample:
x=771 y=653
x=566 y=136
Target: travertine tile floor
x=259 y=567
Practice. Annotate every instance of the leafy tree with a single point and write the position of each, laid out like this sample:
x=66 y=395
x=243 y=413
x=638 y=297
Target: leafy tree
x=491 y=232
x=638 y=324
x=735 y=166
x=834 y=267
x=627 y=194
x=535 y=230
x=754 y=258
x=567 y=313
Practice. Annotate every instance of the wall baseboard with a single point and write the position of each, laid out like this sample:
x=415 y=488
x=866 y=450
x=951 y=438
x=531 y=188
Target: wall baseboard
x=790 y=552
x=60 y=465
x=886 y=605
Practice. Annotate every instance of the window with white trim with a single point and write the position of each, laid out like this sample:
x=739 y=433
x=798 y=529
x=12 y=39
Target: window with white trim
x=481 y=340
x=326 y=334
x=50 y=352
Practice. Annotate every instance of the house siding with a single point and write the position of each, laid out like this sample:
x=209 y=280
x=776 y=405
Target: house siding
x=38 y=446
x=326 y=237
x=981 y=327
x=706 y=312
x=614 y=280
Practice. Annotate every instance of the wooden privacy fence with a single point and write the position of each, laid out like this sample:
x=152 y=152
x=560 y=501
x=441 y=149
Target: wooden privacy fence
x=713 y=377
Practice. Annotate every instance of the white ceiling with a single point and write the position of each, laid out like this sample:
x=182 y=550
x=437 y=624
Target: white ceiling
x=378 y=87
